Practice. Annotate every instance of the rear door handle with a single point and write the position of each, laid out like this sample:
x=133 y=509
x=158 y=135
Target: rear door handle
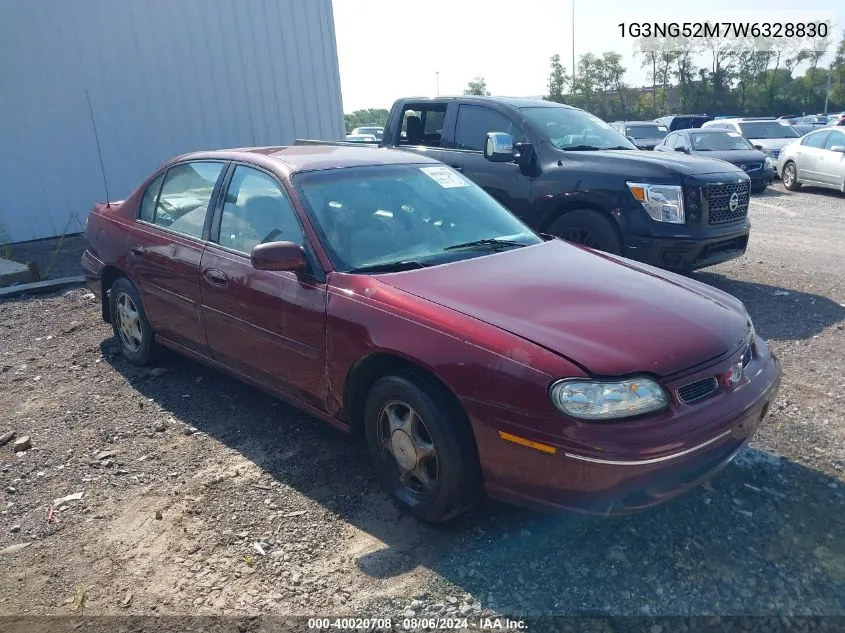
x=137 y=249
x=457 y=167
x=216 y=277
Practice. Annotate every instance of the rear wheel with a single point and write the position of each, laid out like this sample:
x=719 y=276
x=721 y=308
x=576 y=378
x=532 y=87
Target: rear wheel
x=789 y=177
x=589 y=228
x=129 y=322
x=422 y=450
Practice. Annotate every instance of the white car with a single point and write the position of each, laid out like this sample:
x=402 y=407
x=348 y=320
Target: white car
x=766 y=134
x=817 y=159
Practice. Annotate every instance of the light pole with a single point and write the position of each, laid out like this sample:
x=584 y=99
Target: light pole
x=573 y=45
x=827 y=92
x=437 y=82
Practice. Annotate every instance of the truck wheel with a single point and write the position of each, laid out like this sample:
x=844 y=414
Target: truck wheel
x=422 y=450
x=129 y=322
x=588 y=228
x=789 y=177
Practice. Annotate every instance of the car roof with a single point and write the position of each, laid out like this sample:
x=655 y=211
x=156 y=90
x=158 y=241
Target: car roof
x=705 y=130
x=314 y=157
x=516 y=102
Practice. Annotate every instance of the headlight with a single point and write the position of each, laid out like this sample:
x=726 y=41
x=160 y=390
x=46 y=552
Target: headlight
x=768 y=162
x=607 y=400
x=664 y=203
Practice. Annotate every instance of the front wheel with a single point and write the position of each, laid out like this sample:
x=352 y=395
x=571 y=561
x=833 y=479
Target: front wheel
x=129 y=322
x=789 y=177
x=422 y=449
x=588 y=228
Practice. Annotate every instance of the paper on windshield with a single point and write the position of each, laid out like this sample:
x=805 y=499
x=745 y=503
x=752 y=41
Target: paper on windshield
x=662 y=128
x=444 y=177
x=734 y=134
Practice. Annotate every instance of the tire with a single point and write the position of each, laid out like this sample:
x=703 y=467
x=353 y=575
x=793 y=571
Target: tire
x=129 y=322
x=429 y=462
x=589 y=228
x=789 y=176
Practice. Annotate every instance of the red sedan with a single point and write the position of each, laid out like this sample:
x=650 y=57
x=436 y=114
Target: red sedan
x=390 y=296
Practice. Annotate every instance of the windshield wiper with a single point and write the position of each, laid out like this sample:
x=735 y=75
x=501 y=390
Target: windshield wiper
x=389 y=267
x=580 y=148
x=493 y=242
x=617 y=147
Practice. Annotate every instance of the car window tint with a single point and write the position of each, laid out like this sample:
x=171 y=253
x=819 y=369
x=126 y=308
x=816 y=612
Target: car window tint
x=835 y=138
x=816 y=140
x=474 y=122
x=146 y=211
x=185 y=195
x=257 y=211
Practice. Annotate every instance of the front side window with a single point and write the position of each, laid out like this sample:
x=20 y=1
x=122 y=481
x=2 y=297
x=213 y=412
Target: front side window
x=816 y=140
x=185 y=194
x=474 y=122
x=573 y=129
x=257 y=211
x=378 y=216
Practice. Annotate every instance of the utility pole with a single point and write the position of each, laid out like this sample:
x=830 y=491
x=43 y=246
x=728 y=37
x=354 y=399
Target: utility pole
x=437 y=82
x=573 y=46
x=827 y=92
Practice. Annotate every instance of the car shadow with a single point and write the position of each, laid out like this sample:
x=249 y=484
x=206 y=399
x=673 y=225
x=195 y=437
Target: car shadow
x=824 y=191
x=809 y=313
x=766 y=537
x=769 y=192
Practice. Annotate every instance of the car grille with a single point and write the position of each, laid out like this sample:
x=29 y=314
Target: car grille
x=719 y=197
x=698 y=389
x=751 y=166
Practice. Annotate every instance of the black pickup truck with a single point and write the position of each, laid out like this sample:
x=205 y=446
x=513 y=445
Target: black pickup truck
x=567 y=173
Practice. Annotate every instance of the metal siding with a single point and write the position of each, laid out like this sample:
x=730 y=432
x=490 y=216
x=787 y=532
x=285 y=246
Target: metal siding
x=164 y=78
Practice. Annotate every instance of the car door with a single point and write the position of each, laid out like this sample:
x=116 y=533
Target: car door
x=809 y=154
x=268 y=325
x=503 y=181
x=165 y=245
x=831 y=165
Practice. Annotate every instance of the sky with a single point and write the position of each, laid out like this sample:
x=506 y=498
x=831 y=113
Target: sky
x=400 y=48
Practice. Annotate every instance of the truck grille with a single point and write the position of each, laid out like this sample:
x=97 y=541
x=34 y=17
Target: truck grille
x=698 y=389
x=719 y=201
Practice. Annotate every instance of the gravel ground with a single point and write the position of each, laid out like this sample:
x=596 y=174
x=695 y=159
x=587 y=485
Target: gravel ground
x=55 y=257
x=201 y=495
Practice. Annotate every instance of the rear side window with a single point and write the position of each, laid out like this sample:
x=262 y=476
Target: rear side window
x=422 y=125
x=815 y=140
x=474 y=122
x=835 y=138
x=148 y=201
x=184 y=198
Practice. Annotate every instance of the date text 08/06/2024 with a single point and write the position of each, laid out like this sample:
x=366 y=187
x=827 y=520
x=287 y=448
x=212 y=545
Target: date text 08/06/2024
x=413 y=624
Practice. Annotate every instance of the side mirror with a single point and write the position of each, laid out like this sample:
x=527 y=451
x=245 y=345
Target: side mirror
x=683 y=150
x=838 y=148
x=760 y=147
x=499 y=147
x=278 y=256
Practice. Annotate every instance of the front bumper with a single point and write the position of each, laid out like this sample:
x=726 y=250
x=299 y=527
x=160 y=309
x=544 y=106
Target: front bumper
x=624 y=481
x=687 y=254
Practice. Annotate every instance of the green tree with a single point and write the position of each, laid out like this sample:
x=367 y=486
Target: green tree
x=558 y=80
x=477 y=86
x=368 y=116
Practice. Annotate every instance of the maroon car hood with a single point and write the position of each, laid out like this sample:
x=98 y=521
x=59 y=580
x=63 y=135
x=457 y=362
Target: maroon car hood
x=610 y=316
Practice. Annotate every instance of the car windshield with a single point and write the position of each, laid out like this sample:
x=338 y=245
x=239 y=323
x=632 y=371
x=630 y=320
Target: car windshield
x=767 y=129
x=718 y=141
x=573 y=129
x=393 y=217
x=647 y=131
x=375 y=131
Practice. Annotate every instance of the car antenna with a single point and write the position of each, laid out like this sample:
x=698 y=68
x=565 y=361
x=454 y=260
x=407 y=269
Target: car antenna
x=99 y=153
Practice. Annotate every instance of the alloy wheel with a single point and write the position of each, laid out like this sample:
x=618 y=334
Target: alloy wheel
x=129 y=323
x=788 y=175
x=407 y=443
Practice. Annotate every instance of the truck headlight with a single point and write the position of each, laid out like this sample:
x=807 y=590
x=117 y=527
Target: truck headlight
x=768 y=162
x=664 y=203
x=607 y=400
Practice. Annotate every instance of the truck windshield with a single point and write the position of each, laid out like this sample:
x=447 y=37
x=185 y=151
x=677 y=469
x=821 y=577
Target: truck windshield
x=768 y=129
x=573 y=129
x=397 y=217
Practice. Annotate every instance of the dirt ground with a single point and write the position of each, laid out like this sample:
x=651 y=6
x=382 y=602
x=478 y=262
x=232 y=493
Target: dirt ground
x=203 y=496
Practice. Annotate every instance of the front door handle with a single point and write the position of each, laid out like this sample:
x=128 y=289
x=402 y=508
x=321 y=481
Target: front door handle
x=137 y=249
x=216 y=277
x=457 y=167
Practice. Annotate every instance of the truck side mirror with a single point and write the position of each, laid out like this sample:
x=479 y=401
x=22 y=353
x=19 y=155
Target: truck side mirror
x=499 y=147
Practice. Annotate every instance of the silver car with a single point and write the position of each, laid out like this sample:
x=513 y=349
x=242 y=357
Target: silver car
x=817 y=159
x=765 y=133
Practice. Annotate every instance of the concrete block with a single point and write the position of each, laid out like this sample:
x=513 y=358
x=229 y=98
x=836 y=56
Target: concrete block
x=11 y=272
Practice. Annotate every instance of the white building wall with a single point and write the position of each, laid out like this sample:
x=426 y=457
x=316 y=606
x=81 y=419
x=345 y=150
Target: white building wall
x=164 y=77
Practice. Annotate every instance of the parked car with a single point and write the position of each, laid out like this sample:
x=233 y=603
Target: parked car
x=683 y=121
x=816 y=120
x=765 y=133
x=361 y=138
x=789 y=118
x=385 y=293
x=802 y=128
x=570 y=174
x=724 y=145
x=817 y=159
x=643 y=134
x=374 y=130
